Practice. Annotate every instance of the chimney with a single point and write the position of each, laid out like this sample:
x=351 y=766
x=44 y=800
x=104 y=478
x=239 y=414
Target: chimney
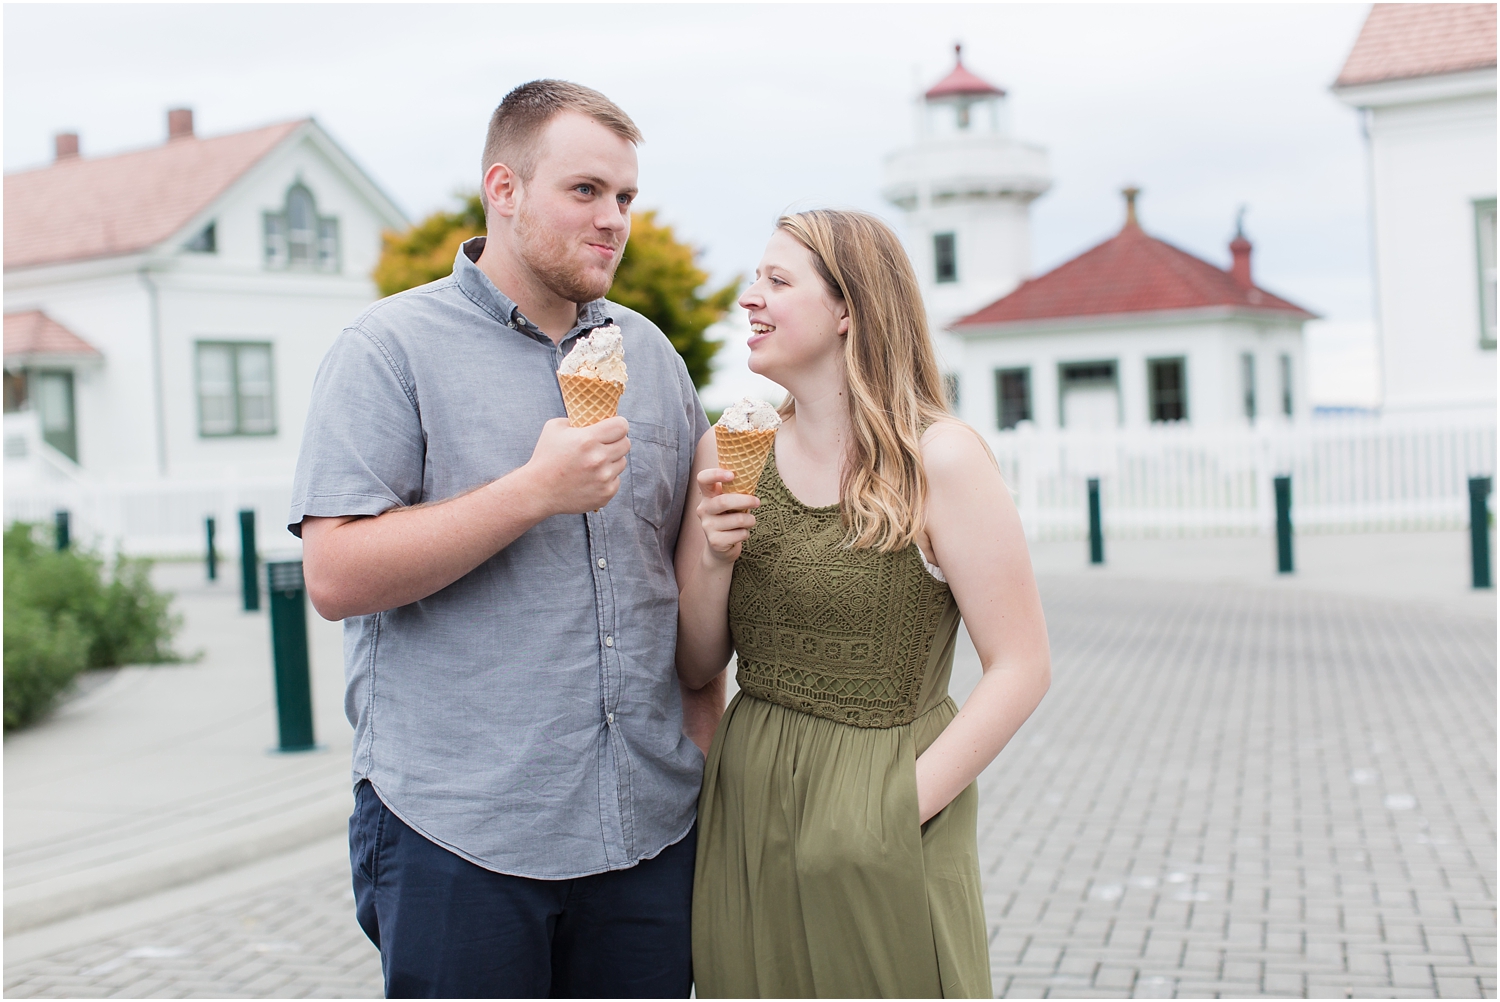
x=1240 y=248
x=1130 y=194
x=66 y=146
x=179 y=124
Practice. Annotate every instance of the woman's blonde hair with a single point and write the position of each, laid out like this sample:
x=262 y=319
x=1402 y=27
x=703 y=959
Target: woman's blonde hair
x=895 y=389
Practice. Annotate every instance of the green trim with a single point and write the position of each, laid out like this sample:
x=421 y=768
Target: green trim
x=1486 y=337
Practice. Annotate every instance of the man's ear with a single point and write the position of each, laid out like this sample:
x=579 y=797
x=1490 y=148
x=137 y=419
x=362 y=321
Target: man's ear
x=502 y=190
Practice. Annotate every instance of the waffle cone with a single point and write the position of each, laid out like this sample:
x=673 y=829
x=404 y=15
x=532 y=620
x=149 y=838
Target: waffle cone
x=744 y=454
x=587 y=399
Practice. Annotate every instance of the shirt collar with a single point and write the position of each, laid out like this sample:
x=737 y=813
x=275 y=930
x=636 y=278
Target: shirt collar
x=477 y=286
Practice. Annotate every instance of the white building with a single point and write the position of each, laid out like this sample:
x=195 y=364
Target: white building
x=1423 y=75
x=965 y=186
x=1130 y=333
x=166 y=309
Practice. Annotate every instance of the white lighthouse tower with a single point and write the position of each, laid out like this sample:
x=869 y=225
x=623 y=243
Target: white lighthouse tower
x=966 y=187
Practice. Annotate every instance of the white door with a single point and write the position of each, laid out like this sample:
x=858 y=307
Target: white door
x=1091 y=408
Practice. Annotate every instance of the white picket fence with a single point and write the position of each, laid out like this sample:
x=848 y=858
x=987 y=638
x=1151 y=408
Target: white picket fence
x=1348 y=475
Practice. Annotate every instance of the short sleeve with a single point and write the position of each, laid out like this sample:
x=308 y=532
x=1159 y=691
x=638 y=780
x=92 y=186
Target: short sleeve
x=692 y=404
x=362 y=447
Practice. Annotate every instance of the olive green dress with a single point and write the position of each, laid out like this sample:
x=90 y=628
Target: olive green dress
x=814 y=878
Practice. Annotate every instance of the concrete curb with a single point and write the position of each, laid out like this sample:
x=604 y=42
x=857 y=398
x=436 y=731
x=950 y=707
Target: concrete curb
x=91 y=889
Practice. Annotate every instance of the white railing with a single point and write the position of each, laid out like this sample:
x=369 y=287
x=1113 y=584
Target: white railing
x=162 y=519
x=1349 y=474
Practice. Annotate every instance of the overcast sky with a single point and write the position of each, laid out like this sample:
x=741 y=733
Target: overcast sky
x=749 y=109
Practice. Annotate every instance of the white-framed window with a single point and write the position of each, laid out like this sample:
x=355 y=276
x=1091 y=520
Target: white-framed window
x=236 y=389
x=945 y=257
x=1166 y=379
x=297 y=238
x=1247 y=385
x=1286 y=385
x=1484 y=232
x=1012 y=397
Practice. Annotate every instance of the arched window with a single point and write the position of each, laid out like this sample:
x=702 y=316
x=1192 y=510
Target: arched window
x=298 y=238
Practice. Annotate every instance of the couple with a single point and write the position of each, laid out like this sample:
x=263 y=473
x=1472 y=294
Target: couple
x=538 y=617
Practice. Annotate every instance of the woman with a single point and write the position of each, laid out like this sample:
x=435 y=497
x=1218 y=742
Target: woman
x=837 y=849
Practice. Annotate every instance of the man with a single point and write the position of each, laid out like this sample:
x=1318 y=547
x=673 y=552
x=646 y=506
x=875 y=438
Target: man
x=525 y=794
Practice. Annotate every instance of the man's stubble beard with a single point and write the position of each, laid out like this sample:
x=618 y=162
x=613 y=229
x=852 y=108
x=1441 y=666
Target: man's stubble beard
x=547 y=255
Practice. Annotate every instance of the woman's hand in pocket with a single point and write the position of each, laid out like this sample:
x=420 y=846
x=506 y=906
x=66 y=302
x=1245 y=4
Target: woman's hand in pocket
x=726 y=518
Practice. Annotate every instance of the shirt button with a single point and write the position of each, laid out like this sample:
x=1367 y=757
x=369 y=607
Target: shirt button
x=609 y=717
x=601 y=563
x=609 y=641
x=511 y=324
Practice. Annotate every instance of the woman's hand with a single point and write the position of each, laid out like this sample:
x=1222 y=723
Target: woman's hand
x=725 y=518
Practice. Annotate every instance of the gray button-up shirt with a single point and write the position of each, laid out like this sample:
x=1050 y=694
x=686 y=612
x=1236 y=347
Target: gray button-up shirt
x=527 y=716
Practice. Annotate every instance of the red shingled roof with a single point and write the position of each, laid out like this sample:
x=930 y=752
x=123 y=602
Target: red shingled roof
x=34 y=333
x=1131 y=272
x=961 y=81
x=83 y=208
x=1401 y=41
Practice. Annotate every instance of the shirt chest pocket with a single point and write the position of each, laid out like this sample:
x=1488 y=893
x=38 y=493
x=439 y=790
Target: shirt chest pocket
x=652 y=466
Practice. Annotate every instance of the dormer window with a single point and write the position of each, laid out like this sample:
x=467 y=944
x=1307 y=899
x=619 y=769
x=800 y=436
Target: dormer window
x=297 y=238
x=206 y=242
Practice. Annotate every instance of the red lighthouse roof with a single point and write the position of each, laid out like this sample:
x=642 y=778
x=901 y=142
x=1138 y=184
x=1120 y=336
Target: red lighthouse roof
x=1133 y=272
x=961 y=82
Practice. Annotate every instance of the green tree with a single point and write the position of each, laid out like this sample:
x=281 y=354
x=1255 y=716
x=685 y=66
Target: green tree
x=658 y=276
x=425 y=252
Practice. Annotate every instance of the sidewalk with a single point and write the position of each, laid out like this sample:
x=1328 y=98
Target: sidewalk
x=1242 y=783
x=163 y=775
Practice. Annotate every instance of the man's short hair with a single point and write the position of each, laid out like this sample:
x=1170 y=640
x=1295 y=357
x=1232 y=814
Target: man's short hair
x=516 y=126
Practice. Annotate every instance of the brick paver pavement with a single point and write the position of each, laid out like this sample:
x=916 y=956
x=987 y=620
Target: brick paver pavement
x=1230 y=791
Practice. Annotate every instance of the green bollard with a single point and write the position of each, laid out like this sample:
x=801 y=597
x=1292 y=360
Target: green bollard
x=1096 y=525
x=249 y=578
x=288 y=600
x=1479 y=531
x=64 y=535
x=1284 y=525
x=213 y=555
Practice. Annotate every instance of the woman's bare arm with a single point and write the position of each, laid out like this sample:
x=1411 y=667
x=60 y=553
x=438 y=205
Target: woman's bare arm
x=974 y=532
x=714 y=527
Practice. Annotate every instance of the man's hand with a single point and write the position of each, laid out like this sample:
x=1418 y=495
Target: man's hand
x=575 y=470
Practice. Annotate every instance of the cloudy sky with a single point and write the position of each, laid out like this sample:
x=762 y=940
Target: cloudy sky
x=750 y=109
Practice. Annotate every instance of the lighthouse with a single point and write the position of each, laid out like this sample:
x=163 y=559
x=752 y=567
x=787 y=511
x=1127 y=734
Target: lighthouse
x=965 y=186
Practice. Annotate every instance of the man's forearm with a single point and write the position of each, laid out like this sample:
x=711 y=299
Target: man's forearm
x=359 y=566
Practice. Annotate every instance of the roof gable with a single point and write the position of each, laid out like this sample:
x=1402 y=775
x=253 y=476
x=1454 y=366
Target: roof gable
x=32 y=332
x=1402 y=41
x=1132 y=272
x=80 y=208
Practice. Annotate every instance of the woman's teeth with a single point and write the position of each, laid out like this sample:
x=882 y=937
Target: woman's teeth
x=761 y=328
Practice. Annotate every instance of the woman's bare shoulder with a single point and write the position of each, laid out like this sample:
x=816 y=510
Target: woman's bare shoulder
x=951 y=448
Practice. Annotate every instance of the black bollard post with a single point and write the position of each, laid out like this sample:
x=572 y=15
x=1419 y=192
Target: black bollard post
x=1284 y=525
x=249 y=579
x=64 y=534
x=213 y=555
x=1096 y=524
x=1479 y=531
x=287 y=597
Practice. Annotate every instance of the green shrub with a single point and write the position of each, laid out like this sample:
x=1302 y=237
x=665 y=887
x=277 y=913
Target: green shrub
x=64 y=614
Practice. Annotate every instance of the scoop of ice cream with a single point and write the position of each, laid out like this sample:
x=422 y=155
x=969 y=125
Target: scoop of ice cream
x=600 y=355
x=749 y=414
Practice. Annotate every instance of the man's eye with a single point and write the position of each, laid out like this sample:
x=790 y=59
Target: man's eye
x=584 y=189
x=626 y=199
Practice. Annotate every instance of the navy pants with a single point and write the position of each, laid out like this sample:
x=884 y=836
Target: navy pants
x=449 y=929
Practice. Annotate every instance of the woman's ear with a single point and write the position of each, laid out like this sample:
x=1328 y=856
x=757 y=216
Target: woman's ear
x=843 y=321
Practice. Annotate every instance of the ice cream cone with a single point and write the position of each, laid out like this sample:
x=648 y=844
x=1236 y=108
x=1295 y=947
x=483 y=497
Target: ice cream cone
x=589 y=400
x=744 y=454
